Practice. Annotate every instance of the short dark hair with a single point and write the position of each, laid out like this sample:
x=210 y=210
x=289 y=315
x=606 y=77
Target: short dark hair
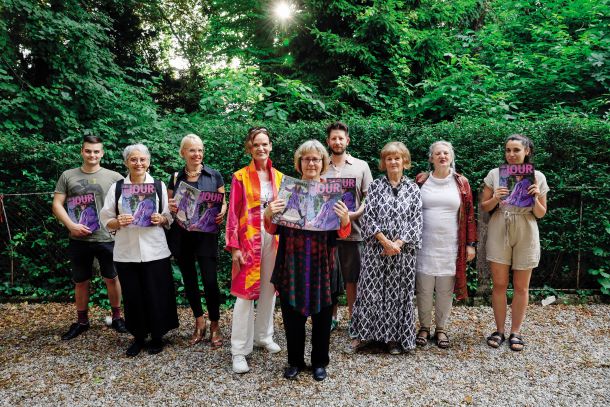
x=337 y=126
x=92 y=139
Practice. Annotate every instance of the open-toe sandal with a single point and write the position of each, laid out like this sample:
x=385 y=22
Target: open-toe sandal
x=515 y=342
x=422 y=337
x=216 y=339
x=496 y=339
x=198 y=335
x=441 y=338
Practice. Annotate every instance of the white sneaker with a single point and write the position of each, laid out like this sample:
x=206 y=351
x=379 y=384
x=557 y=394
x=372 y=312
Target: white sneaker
x=271 y=347
x=239 y=364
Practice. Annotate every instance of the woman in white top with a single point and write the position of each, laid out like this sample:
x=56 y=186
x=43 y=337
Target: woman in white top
x=448 y=242
x=141 y=257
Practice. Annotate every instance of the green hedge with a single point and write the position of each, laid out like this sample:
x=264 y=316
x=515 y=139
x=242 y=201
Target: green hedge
x=571 y=152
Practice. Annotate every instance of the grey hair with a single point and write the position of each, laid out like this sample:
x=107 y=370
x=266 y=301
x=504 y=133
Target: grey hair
x=135 y=147
x=193 y=138
x=442 y=143
x=308 y=147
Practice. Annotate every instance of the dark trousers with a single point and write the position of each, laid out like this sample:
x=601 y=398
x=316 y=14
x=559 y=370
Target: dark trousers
x=207 y=266
x=294 y=326
x=149 y=297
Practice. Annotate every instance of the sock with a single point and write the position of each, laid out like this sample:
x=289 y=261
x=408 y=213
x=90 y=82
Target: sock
x=83 y=317
x=116 y=313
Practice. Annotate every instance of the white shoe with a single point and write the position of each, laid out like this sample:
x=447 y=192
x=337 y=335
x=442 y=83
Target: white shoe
x=271 y=347
x=239 y=364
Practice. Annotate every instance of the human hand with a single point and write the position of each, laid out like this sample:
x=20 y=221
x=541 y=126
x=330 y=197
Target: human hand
x=124 y=220
x=500 y=193
x=238 y=260
x=533 y=190
x=173 y=206
x=276 y=206
x=219 y=218
x=157 y=219
x=342 y=212
x=470 y=253
x=78 y=230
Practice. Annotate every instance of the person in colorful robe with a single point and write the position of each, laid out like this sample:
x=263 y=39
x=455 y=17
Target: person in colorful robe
x=252 y=250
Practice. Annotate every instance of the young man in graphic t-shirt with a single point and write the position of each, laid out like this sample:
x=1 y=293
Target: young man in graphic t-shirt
x=88 y=239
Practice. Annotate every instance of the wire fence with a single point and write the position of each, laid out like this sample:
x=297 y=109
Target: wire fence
x=33 y=243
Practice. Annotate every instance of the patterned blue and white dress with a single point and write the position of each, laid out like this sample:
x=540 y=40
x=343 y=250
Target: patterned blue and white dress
x=384 y=309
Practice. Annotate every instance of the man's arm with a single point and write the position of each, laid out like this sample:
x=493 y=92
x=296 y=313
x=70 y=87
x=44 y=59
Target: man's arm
x=76 y=230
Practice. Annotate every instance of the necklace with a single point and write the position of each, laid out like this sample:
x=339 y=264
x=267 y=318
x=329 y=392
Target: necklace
x=193 y=174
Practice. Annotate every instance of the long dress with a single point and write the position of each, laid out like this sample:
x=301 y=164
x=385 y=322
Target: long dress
x=384 y=309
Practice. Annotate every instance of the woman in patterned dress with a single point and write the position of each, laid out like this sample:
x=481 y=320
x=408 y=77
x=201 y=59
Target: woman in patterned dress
x=391 y=227
x=302 y=273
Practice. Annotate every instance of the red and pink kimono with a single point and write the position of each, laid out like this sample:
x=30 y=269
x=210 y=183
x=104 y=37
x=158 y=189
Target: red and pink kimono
x=244 y=225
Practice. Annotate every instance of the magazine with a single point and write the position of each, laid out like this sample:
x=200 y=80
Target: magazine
x=140 y=201
x=309 y=204
x=82 y=210
x=348 y=189
x=517 y=178
x=197 y=210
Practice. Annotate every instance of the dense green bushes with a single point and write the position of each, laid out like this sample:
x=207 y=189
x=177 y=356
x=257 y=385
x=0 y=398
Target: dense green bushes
x=572 y=152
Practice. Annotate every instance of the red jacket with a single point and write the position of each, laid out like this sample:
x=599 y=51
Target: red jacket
x=467 y=230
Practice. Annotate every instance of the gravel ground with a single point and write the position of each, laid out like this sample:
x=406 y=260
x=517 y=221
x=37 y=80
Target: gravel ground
x=566 y=362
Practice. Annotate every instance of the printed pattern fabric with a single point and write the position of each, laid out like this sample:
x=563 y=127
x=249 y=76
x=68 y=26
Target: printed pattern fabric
x=243 y=230
x=384 y=309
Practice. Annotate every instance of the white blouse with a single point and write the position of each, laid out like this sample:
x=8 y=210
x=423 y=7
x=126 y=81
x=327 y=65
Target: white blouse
x=441 y=203
x=137 y=244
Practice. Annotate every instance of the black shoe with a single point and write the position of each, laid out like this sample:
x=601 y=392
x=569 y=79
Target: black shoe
x=155 y=346
x=319 y=374
x=291 y=372
x=119 y=325
x=75 y=330
x=135 y=348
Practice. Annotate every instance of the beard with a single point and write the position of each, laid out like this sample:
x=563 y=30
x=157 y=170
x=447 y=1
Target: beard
x=337 y=150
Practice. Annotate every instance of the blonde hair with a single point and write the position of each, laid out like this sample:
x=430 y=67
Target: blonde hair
x=192 y=138
x=308 y=147
x=395 y=147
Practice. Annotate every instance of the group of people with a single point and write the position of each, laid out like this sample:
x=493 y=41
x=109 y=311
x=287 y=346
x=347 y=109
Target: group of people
x=402 y=237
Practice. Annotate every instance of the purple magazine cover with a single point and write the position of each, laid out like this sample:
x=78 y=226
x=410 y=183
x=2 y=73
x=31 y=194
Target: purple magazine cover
x=517 y=178
x=82 y=210
x=186 y=199
x=309 y=204
x=348 y=187
x=207 y=208
x=139 y=200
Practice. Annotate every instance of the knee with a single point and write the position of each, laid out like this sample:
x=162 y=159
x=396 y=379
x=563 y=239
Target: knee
x=82 y=284
x=111 y=282
x=500 y=286
x=521 y=290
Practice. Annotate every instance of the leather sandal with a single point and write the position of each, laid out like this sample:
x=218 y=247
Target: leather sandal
x=216 y=339
x=515 y=342
x=198 y=334
x=442 y=341
x=496 y=339
x=422 y=337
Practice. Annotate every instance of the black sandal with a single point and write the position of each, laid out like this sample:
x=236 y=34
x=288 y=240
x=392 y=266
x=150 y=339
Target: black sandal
x=422 y=340
x=496 y=339
x=515 y=342
x=441 y=343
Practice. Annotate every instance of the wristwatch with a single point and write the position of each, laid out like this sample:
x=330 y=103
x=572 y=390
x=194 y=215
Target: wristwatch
x=472 y=244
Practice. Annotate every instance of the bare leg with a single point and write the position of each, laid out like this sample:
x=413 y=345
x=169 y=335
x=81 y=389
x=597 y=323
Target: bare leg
x=521 y=284
x=114 y=291
x=499 y=276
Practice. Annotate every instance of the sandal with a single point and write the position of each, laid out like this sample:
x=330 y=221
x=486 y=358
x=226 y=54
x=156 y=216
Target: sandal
x=496 y=339
x=216 y=339
x=198 y=334
x=515 y=342
x=421 y=339
x=334 y=324
x=441 y=342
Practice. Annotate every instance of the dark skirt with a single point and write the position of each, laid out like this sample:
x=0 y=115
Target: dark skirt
x=149 y=297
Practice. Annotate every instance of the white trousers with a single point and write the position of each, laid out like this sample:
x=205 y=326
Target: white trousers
x=246 y=329
x=426 y=287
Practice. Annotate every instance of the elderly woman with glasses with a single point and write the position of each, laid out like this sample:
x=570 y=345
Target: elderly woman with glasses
x=391 y=226
x=141 y=256
x=252 y=250
x=302 y=273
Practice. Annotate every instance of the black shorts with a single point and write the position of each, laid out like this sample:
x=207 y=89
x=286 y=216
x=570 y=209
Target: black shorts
x=349 y=260
x=81 y=256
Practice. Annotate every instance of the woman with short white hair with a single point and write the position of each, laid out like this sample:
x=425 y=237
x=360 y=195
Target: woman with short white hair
x=141 y=257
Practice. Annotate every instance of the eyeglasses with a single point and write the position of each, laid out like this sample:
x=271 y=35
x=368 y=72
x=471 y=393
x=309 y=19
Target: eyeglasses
x=311 y=160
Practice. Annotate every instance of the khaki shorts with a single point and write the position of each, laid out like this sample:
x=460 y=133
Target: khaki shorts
x=512 y=239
